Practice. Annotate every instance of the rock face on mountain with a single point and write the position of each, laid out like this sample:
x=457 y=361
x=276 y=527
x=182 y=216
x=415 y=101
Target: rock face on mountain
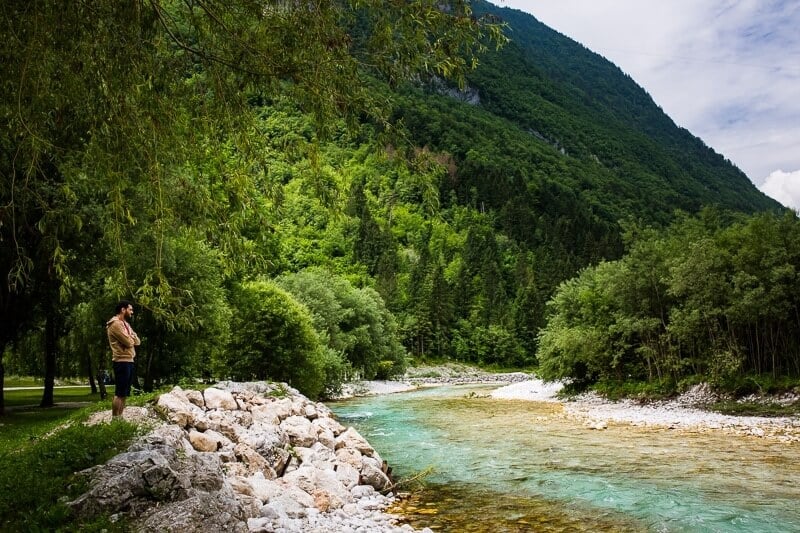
x=244 y=457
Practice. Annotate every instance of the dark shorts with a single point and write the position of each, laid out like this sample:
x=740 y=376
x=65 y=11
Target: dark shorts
x=123 y=377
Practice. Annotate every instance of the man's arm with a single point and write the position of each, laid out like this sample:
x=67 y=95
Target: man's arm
x=136 y=341
x=117 y=331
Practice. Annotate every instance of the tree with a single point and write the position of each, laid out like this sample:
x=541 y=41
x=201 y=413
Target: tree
x=351 y=321
x=121 y=94
x=272 y=337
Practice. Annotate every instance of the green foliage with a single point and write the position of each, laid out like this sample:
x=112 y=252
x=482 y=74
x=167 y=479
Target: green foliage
x=640 y=390
x=272 y=337
x=153 y=154
x=351 y=321
x=700 y=298
x=492 y=345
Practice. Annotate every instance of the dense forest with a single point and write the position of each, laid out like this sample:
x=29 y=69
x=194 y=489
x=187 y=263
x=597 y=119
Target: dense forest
x=314 y=195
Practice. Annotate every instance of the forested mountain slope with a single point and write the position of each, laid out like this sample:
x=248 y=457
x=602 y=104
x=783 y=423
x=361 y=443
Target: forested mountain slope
x=622 y=150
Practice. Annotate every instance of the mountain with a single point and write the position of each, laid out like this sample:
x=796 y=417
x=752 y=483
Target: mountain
x=550 y=151
x=584 y=123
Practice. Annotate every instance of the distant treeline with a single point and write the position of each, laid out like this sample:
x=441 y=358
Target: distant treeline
x=700 y=298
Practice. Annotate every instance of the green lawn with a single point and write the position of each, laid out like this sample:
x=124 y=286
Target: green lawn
x=16 y=398
x=32 y=381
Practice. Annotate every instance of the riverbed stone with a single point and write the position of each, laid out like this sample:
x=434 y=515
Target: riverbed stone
x=261 y=464
x=178 y=410
x=349 y=456
x=372 y=474
x=195 y=397
x=348 y=475
x=330 y=424
x=204 y=442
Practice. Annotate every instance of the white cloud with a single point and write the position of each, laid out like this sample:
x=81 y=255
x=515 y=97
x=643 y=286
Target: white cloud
x=784 y=187
x=727 y=70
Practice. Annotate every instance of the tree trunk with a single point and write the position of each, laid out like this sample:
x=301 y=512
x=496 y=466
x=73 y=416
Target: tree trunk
x=89 y=373
x=50 y=347
x=2 y=381
x=148 y=376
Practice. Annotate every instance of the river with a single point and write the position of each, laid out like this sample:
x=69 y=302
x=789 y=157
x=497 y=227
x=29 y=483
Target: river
x=514 y=466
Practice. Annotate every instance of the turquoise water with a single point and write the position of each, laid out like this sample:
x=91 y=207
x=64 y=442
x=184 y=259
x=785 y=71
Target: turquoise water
x=504 y=465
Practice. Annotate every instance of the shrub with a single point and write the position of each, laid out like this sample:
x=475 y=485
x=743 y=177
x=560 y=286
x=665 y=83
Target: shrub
x=272 y=337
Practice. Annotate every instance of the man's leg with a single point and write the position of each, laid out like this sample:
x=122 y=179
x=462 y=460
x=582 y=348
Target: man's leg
x=117 y=406
x=123 y=372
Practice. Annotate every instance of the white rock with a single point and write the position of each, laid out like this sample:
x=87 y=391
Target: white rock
x=195 y=397
x=178 y=410
x=300 y=430
x=353 y=439
x=203 y=442
x=219 y=399
x=349 y=456
x=348 y=475
x=331 y=424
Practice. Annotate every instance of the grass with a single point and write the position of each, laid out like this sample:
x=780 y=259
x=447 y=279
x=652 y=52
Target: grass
x=32 y=397
x=41 y=449
x=31 y=381
x=40 y=452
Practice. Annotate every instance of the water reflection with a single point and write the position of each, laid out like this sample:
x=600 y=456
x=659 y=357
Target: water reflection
x=505 y=465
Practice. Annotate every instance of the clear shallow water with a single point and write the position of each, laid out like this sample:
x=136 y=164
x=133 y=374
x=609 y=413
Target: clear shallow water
x=505 y=465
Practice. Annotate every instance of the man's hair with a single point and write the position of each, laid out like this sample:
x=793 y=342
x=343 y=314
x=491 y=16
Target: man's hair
x=123 y=304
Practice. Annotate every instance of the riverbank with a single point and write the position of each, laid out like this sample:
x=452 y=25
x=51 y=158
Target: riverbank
x=431 y=376
x=687 y=412
x=257 y=457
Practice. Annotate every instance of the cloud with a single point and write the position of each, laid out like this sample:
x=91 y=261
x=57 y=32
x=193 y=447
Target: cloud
x=784 y=187
x=727 y=70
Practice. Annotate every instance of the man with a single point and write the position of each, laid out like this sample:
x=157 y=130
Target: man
x=122 y=339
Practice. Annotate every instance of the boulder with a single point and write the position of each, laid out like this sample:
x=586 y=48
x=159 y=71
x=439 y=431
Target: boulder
x=299 y=430
x=264 y=489
x=178 y=410
x=253 y=461
x=352 y=439
x=349 y=456
x=208 y=441
x=279 y=409
x=198 y=513
x=195 y=397
x=219 y=399
x=322 y=484
x=348 y=475
x=372 y=474
x=133 y=480
x=330 y=424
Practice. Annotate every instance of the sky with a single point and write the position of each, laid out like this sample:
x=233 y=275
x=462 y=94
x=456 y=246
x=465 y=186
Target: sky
x=726 y=70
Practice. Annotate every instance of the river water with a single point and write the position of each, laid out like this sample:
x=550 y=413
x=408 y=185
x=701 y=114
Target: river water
x=514 y=466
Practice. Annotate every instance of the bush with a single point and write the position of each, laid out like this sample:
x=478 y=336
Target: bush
x=349 y=320
x=272 y=337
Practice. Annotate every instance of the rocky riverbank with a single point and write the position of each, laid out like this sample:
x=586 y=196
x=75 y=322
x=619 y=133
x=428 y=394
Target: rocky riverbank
x=686 y=412
x=243 y=457
x=432 y=376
